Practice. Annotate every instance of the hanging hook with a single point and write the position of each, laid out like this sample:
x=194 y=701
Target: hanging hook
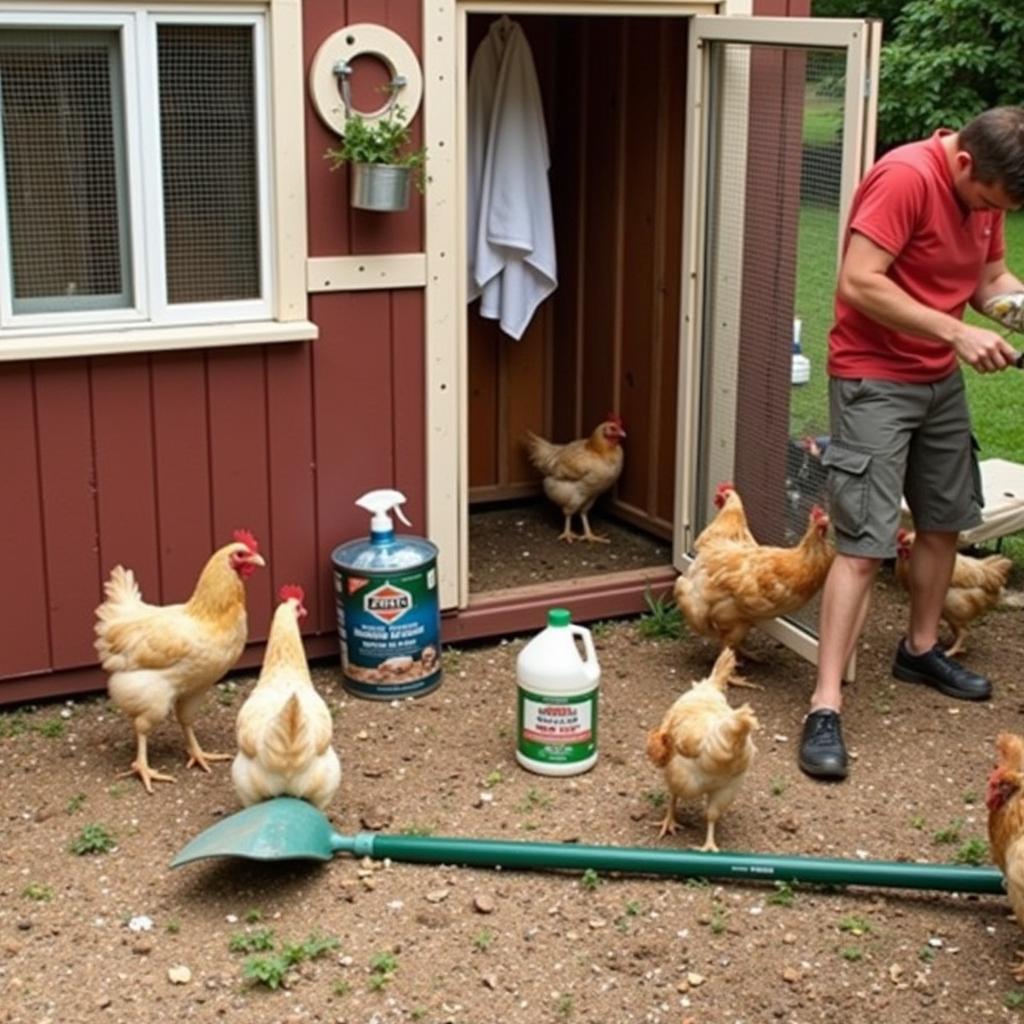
x=343 y=72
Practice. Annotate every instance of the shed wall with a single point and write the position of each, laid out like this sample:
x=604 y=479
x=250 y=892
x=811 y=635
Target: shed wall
x=151 y=460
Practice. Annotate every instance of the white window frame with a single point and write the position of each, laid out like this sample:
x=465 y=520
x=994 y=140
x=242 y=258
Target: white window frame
x=152 y=324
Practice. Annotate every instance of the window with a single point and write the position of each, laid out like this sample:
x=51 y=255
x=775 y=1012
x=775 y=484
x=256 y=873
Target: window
x=136 y=191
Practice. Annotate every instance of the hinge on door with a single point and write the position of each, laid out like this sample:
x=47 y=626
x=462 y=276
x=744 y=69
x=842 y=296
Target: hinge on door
x=868 y=87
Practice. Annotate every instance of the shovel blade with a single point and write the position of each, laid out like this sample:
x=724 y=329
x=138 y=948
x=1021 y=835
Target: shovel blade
x=280 y=829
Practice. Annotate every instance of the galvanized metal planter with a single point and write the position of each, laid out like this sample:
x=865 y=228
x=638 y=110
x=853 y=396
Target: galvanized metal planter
x=380 y=187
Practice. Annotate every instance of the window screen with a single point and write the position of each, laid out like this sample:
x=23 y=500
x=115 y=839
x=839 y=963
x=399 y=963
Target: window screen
x=208 y=149
x=64 y=167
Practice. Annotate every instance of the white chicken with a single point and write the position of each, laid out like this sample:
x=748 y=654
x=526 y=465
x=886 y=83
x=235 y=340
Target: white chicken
x=284 y=727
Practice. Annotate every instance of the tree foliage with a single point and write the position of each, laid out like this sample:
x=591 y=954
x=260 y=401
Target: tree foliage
x=949 y=60
x=943 y=61
x=887 y=10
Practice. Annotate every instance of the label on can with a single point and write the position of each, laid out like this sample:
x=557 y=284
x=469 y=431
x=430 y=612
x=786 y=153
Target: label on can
x=557 y=731
x=390 y=632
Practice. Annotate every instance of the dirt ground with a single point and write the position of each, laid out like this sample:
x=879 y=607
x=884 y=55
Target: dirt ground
x=517 y=545
x=118 y=936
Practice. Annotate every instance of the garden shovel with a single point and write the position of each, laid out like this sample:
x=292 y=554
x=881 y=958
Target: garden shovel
x=288 y=829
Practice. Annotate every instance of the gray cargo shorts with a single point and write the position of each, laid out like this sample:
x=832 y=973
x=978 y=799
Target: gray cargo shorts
x=891 y=439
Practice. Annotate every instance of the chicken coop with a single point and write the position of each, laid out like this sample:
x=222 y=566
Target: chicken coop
x=199 y=332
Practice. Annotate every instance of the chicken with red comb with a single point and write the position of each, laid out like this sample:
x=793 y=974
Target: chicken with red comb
x=164 y=657
x=284 y=727
x=578 y=473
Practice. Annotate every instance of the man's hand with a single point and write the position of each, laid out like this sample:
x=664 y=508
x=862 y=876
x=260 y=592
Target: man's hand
x=984 y=350
x=1007 y=309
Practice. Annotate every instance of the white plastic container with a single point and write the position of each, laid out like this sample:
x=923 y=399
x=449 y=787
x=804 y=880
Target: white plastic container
x=801 y=370
x=556 y=730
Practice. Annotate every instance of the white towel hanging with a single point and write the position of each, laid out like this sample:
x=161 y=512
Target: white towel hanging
x=511 y=239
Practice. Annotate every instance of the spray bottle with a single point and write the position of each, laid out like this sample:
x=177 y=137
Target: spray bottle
x=557 y=707
x=389 y=618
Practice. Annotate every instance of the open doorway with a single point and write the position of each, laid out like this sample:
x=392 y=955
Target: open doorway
x=607 y=339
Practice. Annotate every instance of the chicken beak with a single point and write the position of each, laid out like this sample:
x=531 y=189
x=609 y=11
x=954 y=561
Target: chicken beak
x=255 y=560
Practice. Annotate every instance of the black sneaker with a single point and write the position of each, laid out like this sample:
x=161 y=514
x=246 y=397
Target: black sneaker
x=822 y=752
x=935 y=668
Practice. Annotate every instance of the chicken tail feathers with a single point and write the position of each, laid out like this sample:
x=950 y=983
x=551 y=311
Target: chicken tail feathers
x=121 y=588
x=285 y=742
x=724 y=669
x=542 y=452
x=659 y=747
x=730 y=735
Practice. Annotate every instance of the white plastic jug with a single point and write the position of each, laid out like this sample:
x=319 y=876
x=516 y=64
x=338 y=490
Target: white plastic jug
x=557 y=707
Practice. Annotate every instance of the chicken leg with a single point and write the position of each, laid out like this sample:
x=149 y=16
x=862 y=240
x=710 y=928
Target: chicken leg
x=567 y=535
x=957 y=647
x=668 y=823
x=186 y=710
x=710 y=846
x=589 y=534
x=140 y=766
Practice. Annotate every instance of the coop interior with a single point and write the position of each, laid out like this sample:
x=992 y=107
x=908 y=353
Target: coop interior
x=606 y=340
x=614 y=97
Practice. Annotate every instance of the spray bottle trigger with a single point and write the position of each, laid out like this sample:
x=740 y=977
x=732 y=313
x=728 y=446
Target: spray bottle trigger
x=397 y=509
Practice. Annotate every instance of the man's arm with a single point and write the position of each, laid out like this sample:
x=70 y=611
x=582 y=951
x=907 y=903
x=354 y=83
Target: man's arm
x=996 y=279
x=864 y=284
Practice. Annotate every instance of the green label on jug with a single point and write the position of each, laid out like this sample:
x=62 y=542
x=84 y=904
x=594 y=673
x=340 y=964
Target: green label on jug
x=560 y=730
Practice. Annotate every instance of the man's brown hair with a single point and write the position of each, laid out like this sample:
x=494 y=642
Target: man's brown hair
x=995 y=140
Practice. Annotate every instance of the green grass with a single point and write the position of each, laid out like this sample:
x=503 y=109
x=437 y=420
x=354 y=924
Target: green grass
x=995 y=399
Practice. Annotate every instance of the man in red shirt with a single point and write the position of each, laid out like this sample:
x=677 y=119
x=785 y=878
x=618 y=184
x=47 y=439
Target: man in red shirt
x=924 y=238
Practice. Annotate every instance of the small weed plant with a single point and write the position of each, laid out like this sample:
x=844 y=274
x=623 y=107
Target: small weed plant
x=92 y=839
x=260 y=941
x=973 y=851
x=382 y=970
x=949 y=834
x=590 y=880
x=784 y=896
x=662 y=620
x=719 y=918
x=38 y=892
x=272 y=970
x=855 y=925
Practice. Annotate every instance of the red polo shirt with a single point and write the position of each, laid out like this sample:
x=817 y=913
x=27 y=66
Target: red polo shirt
x=907 y=205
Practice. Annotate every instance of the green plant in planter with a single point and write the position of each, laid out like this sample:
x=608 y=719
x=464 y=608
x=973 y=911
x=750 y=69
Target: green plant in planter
x=385 y=141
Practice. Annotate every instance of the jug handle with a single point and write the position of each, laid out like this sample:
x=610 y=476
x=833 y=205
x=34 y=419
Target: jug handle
x=588 y=644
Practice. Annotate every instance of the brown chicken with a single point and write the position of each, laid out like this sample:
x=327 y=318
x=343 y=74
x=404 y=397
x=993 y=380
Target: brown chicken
x=163 y=657
x=976 y=587
x=1005 y=804
x=578 y=473
x=284 y=726
x=705 y=747
x=732 y=584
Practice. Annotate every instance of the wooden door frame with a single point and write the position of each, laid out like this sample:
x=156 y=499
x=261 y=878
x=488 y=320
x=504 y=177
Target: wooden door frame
x=445 y=76
x=861 y=41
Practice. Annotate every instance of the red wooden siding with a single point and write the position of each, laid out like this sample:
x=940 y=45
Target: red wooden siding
x=153 y=460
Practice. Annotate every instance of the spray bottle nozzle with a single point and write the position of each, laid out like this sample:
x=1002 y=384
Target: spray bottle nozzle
x=381 y=503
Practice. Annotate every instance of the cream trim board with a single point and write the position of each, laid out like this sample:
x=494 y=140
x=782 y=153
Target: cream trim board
x=363 y=273
x=444 y=305
x=288 y=142
x=156 y=339
x=627 y=8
